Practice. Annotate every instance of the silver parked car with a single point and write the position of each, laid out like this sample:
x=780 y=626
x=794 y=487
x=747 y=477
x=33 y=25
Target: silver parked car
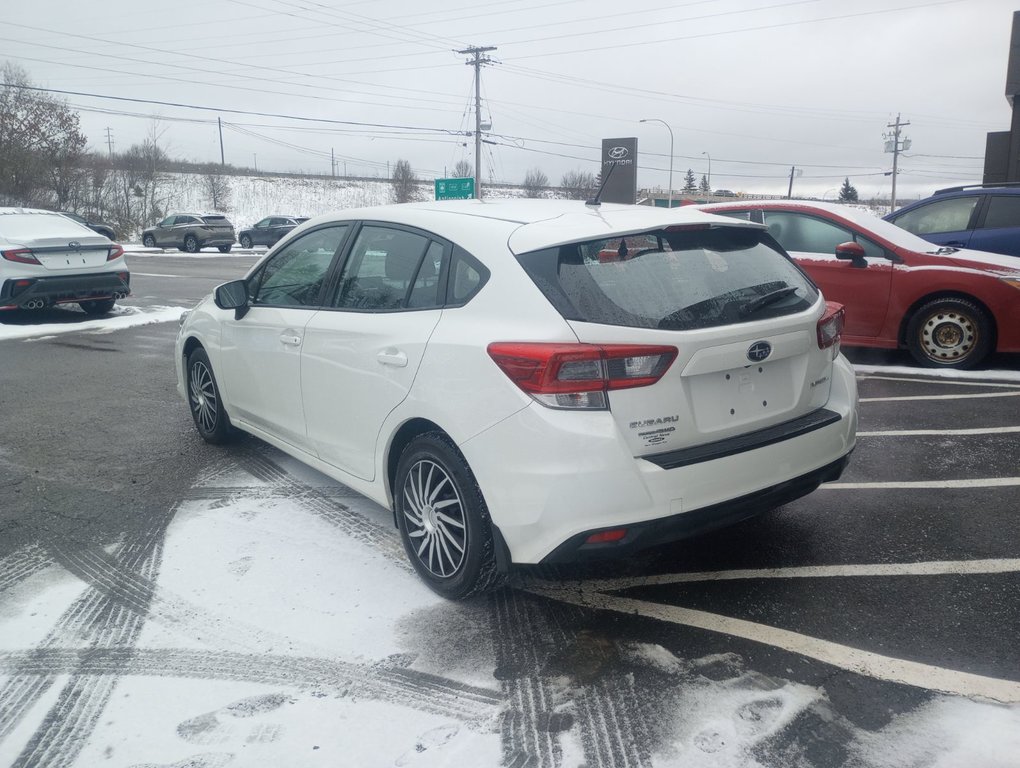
x=191 y=232
x=46 y=259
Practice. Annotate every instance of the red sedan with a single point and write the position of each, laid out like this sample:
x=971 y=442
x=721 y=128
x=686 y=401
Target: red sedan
x=949 y=307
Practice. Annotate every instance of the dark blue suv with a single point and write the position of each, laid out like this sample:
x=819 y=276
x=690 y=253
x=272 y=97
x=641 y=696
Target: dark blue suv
x=983 y=217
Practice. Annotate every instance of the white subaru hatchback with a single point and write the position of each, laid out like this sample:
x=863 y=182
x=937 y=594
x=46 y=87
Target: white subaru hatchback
x=531 y=381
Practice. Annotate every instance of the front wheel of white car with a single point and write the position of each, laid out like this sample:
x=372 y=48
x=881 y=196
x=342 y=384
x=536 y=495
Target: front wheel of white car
x=204 y=400
x=443 y=520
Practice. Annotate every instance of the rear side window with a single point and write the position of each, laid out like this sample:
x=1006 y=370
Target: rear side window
x=215 y=220
x=1003 y=211
x=952 y=215
x=671 y=280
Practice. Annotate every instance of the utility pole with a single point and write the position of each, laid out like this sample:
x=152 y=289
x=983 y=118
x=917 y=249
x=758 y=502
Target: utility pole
x=894 y=145
x=789 y=190
x=109 y=140
x=219 y=124
x=332 y=162
x=477 y=62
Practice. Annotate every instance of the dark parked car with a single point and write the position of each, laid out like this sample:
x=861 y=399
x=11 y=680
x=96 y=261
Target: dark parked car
x=269 y=231
x=191 y=232
x=982 y=217
x=96 y=226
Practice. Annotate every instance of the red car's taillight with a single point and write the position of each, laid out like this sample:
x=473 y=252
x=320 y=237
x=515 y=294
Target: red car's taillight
x=21 y=255
x=115 y=252
x=580 y=375
x=830 y=326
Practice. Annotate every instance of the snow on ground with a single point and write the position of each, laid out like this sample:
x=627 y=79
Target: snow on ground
x=121 y=317
x=937 y=373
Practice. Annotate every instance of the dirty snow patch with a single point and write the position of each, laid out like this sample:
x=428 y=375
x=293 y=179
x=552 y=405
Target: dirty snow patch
x=118 y=320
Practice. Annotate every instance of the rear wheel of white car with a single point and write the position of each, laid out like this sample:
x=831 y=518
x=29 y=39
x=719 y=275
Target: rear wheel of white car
x=97 y=306
x=204 y=400
x=443 y=520
x=949 y=333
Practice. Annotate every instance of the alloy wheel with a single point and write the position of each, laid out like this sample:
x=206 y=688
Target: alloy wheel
x=435 y=518
x=202 y=393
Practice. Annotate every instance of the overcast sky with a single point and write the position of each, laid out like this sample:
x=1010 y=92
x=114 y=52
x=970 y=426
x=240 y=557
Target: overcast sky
x=758 y=86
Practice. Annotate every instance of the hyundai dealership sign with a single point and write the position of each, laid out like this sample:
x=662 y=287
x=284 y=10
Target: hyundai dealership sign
x=620 y=155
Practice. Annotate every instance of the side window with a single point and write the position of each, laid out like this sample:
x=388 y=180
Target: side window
x=381 y=268
x=263 y=224
x=425 y=292
x=294 y=276
x=951 y=215
x=185 y=220
x=167 y=222
x=467 y=277
x=807 y=234
x=744 y=215
x=1003 y=211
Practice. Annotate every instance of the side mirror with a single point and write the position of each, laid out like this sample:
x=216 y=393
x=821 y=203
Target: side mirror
x=233 y=295
x=852 y=252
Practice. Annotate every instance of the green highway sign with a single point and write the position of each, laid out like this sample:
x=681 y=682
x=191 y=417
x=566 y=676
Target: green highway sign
x=455 y=189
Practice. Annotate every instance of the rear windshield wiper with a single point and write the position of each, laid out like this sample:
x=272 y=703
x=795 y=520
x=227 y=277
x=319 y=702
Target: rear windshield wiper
x=769 y=298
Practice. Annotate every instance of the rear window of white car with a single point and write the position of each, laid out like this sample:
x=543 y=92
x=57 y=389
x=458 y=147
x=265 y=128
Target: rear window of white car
x=17 y=226
x=673 y=280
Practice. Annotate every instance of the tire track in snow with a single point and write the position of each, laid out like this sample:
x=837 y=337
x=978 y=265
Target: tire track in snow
x=385 y=681
x=98 y=620
x=532 y=640
x=319 y=501
x=22 y=564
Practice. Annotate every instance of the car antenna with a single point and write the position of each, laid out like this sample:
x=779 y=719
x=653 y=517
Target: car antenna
x=596 y=201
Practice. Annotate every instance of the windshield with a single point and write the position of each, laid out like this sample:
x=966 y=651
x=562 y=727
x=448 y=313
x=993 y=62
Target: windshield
x=671 y=280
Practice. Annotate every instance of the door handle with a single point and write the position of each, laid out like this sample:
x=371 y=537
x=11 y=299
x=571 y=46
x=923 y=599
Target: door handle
x=290 y=339
x=393 y=357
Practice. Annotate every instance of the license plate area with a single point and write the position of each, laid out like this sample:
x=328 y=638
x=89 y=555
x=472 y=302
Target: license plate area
x=740 y=396
x=72 y=259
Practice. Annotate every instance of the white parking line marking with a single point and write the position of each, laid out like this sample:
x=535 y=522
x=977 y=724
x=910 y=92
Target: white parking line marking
x=991 y=482
x=938 y=397
x=954 y=382
x=924 y=568
x=154 y=274
x=917 y=674
x=940 y=432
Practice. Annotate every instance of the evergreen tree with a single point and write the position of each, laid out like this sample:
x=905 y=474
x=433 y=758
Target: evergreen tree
x=690 y=183
x=848 y=192
x=703 y=186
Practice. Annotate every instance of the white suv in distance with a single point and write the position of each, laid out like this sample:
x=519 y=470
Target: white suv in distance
x=531 y=381
x=46 y=259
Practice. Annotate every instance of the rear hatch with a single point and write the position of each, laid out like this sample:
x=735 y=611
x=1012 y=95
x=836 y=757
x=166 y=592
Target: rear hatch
x=218 y=225
x=743 y=319
x=55 y=242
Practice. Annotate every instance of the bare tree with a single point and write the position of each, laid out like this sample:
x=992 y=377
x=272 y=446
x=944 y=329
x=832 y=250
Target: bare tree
x=217 y=190
x=535 y=182
x=579 y=185
x=41 y=144
x=405 y=183
x=463 y=170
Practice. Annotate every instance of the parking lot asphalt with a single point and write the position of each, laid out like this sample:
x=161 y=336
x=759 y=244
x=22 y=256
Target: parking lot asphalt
x=871 y=623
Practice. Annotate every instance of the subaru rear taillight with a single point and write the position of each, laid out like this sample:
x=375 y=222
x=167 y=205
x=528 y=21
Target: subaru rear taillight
x=830 y=327
x=115 y=252
x=20 y=255
x=580 y=375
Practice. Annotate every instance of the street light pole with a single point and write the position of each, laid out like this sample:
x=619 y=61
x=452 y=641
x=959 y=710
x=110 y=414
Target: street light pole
x=657 y=120
x=709 y=168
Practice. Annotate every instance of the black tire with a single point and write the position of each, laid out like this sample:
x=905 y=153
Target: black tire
x=950 y=333
x=224 y=248
x=204 y=400
x=191 y=244
x=452 y=550
x=246 y=241
x=97 y=306
x=149 y=241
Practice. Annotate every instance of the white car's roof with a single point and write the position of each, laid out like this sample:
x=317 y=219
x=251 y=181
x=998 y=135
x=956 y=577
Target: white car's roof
x=535 y=224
